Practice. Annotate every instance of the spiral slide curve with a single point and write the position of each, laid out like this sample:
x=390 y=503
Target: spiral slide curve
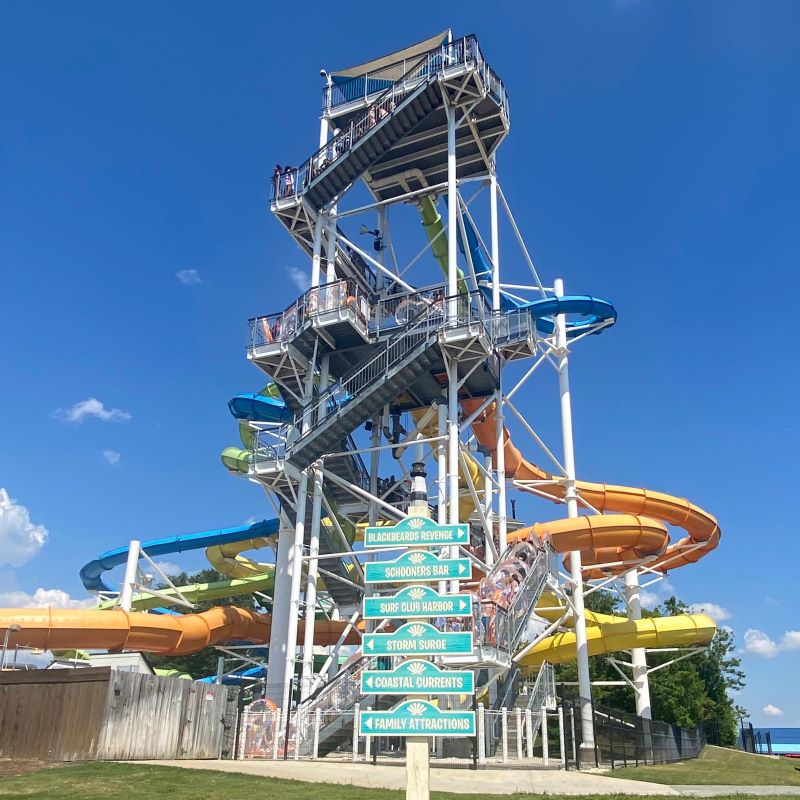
x=637 y=533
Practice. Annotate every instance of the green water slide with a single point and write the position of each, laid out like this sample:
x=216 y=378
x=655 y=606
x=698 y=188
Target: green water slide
x=434 y=229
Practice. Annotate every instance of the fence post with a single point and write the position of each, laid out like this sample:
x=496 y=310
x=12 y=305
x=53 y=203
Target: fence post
x=367 y=743
x=504 y=732
x=561 y=748
x=276 y=733
x=297 y=734
x=355 y=732
x=545 y=741
x=481 y=733
x=518 y=714
x=243 y=735
x=529 y=727
x=575 y=748
x=317 y=720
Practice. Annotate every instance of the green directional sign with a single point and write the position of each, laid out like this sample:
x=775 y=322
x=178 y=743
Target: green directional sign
x=417 y=565
x=417 y=677
x=416 y=718
x=417 y=601
x=416 y=532
x=418 y=639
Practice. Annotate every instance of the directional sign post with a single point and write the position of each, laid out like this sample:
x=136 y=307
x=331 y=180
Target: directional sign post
x=416 y=718
x=417 y=602
x=417 y=677
x=415 y=566
x=418 y=639
x=416 y=532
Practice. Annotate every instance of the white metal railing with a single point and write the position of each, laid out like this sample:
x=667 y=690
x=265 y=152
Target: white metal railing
x=463 y=52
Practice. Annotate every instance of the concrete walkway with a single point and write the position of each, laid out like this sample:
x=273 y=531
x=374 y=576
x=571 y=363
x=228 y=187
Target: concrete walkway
x=460 y=781
x=465 y=781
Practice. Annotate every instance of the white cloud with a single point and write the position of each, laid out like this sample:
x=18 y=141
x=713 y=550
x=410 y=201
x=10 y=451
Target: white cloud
x=716 y=612
x=168 y=567
x=20 y=539
x=649 y=599
x=91 y=408
x=43 y=598
x=772 y=711
x=188 y=277
x=760 y=644
x=300 y=278
x=112 y=456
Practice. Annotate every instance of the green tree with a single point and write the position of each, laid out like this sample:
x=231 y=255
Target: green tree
x=694 y=691
x=204 y=663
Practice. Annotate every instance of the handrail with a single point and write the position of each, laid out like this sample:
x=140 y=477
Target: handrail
x=293 y=182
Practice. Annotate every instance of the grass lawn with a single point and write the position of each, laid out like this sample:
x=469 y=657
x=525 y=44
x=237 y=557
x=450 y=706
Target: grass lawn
x=717 y=765
x=99 y=781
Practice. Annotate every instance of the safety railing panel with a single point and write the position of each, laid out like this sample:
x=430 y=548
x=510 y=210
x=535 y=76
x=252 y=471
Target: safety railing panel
x=338 y=296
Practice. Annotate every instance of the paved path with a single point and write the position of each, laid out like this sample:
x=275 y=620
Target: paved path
x=714 y=791
x=463 y=781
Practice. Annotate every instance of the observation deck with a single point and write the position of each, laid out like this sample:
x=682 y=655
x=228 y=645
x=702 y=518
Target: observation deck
x=390 y=128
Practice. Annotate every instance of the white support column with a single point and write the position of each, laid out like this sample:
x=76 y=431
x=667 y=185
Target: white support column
x=529 y=728
x=132 y=564
x=316 y=255
x=317 y=722
x=330 y=248
x=495 y=236
x=638 y=655
x=452 y=452
x=561 y=736
x=452 y=211
x=441 y=478
x=278 y=639
x=296 y=572
x=500 y=460
x=481 y=733
x=311 y=588
x=488 y=502
x=504 y=732
x=584 y=685
x=356 y=722
x=518 y=720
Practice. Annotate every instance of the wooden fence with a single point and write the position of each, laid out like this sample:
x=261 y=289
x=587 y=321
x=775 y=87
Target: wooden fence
x=97 y=713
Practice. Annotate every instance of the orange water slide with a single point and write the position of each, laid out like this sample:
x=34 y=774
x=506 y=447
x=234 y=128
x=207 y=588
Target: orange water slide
x=636 y=533
x=166 y=634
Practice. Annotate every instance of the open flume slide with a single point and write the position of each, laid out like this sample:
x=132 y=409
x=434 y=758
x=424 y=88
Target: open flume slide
x=165 y=634
x=637 y=533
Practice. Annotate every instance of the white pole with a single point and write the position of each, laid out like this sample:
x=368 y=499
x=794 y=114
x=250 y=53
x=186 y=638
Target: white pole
x=316 y=256
x=330 y=249
x=545 y=739
x=278 y=638
x=500 y=458
x=561 y=734
x=504 y=732
x=128 y=582
x=452 y=210
x=488 y=501
x=296 y=572
x=317 y=720
x=518 y=716
x=584 y=684
x=529 y=726
x=481 y=733
x=356 y=710
x=441 y=479
x=311 y=588
x=452 y=446
x=638 y=654
x=495 y=244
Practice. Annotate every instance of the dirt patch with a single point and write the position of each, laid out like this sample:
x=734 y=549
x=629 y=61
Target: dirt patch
x=19 y=766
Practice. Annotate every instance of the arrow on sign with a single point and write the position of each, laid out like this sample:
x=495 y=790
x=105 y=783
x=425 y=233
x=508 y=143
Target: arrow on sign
x=369 y=682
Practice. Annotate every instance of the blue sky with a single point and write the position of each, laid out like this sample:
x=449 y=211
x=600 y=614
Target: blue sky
x=652 y=161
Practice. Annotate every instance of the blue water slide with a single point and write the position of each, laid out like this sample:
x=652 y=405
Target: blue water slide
x=259 y=408
x=592 y=309
x=236 y=677
x=92 y=573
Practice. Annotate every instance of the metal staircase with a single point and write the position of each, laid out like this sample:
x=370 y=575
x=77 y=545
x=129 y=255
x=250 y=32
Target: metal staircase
x=360 y=395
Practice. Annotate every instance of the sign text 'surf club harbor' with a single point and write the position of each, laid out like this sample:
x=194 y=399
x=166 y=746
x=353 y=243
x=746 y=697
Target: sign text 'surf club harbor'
x=416 y=532
x=416 y=718
x=418 y=639
x=417 y=677
x=415 y=602
x=416 y=566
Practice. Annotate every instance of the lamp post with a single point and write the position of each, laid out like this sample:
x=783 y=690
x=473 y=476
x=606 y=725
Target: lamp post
x=9 y=630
